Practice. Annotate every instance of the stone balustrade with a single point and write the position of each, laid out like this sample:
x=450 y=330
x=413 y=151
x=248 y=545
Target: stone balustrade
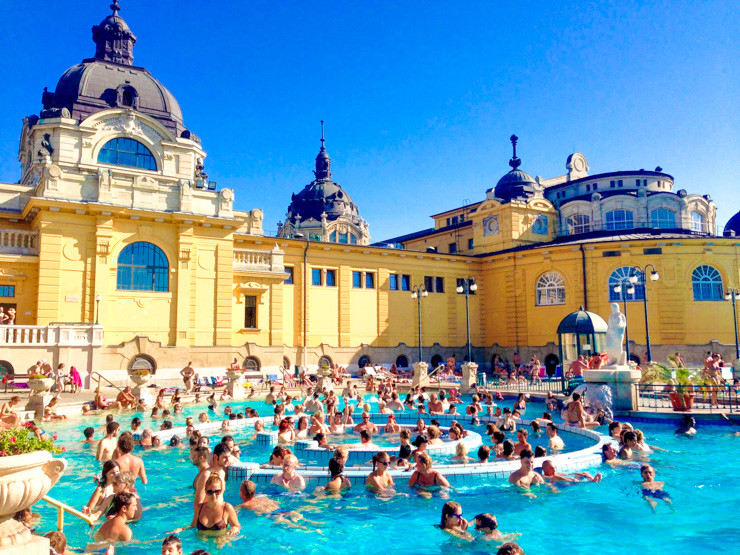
x=259 y=261
x=14 y=241
x=62 y=335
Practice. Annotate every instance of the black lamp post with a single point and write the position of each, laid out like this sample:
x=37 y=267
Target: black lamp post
x=419 y=291
x=97 y=310
x=629 y=290
x=654 y=276
x=732 y=295
x=466 y=286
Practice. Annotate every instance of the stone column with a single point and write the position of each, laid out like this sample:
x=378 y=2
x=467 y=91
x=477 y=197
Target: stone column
x=621 y=381
x=469 y=377
x=420 y=374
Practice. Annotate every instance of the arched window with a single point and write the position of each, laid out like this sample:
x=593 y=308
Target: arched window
x=697 y=222
x=324 y=361
x=142 y=362
x=333 y=237
x=662 y=218
x=364 y=361
x=619 y=277
x=143 y=267
x=619 y=219
x=579 y=223
x=251 y=364
x=402 y=361
x=550 y=289
x=127 y=152
x=436 y=361
x=352 y=239
x=707 y=284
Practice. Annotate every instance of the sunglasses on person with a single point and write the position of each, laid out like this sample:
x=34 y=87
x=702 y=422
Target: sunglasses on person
x=213 y=491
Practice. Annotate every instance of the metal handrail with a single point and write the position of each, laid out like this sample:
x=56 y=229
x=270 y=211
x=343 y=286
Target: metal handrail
x=435 y=371
x=64 y=508
x=101 y=377
x=686 y=398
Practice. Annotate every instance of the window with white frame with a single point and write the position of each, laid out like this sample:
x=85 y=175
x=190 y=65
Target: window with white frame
x=697 y=221
x=707 y=284
x=662 y=218
x=619 y=285
x=550 y=289
x=578 y=223
x=620 y=219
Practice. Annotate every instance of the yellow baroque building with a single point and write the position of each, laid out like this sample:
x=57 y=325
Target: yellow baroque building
x=117 y=252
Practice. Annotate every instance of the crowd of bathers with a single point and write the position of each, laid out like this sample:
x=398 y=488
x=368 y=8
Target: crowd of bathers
x=319 y=415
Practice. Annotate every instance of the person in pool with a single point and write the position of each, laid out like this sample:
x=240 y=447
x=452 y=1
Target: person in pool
x=687 y=427
x=556 y=443
x=123 y=482
x=171 y=545
x=338 y=480
x=391 y=427
x=288 y=478
x=526 y=476
x=214 y=515
x=652 y=491
x=115 y=528
x=487 y=524
x=263 y=505
x=379 y=480
x=104 y=488
x=425 y=475
x=453 y=521
x=366 y=442
x=550 y=474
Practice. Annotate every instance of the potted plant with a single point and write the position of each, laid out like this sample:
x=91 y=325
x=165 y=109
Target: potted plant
x=679 y=384
x=39 y=383
x=28 y=471
x=140 y=377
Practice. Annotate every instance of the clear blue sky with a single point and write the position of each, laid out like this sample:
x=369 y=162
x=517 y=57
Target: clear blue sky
x=419 y=98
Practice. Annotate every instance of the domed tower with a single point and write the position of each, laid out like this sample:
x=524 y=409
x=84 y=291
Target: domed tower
x=517 y=184
x=732 y=228
x=110 y=80
x=323 y=211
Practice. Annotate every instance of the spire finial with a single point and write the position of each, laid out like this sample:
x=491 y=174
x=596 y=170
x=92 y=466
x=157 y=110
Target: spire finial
x=514 y=162
x=115 y=7
x=322 y=134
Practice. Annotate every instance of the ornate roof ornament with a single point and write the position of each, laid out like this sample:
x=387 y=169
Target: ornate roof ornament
x=114 y=41
x=323 y=162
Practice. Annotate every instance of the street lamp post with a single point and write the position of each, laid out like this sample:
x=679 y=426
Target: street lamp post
x=732 y=295
x=97 y=310
x=654 y=276
x=466 y=285
x=629 y=290
x=419 y=291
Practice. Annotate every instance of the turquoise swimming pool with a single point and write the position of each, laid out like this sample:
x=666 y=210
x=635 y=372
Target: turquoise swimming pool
x=606 y=517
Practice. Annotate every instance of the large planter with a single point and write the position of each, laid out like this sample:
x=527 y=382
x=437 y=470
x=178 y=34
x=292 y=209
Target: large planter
x=234 y=375
x=140 y=379
x=24 y=479
x=40 y=385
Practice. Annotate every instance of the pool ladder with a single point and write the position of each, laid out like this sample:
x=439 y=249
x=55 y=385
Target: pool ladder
x=64 y=508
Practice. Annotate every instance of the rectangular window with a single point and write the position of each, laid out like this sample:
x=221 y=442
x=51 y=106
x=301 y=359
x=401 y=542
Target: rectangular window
x=454 y=220
x=470 y=244
x=331 y=278
x=250 y=312
x=453 y=248
x=393 y=282
x=369 y=280
x=405 y=282
x=357 y=280
x=644 y=182
x=448 y=221
x=429 y=283
x=637 y=182
x=7 y=290
x=619 y=183
x=596 y=186
x=289 y=271
x=612 y=184
x=439 y=285
x=316 y=276
x=588 y=188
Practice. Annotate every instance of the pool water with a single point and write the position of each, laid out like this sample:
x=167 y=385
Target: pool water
x=606 y=517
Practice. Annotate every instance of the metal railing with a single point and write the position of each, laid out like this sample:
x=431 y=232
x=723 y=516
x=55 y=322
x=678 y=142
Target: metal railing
x=637 y=226
x=522 y=385
x=64 y=508
x=98 y=376
x=687 y=398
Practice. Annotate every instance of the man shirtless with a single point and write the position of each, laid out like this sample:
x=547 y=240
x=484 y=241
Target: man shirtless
x=366 y=425
x=366 y=442
x=221 y=461
x=550 y=473
x=526 y=476
x=288 y=479
x=435 y=405
x=8 y=415
x=187 y=374
x=522 y=444
x=126 y=399
x=107 y=445
x=556 y=443
x=577 y=367
x=128 y=462
x=395 y=404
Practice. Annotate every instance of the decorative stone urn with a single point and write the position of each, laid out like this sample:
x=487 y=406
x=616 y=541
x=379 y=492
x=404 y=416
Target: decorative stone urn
x=140 y=379
x=234 y=387
x=24 y=479
x=40 y=385
x=234 y=374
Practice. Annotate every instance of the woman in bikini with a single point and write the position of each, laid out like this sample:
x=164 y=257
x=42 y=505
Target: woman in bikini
x=338 y=480
x=424 y=475
x=214 y=515
x=379 y=480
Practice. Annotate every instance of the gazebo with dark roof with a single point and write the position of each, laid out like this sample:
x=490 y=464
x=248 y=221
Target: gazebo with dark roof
x=581 y=332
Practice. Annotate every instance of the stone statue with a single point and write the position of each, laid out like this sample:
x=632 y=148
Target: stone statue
x=615 y=337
